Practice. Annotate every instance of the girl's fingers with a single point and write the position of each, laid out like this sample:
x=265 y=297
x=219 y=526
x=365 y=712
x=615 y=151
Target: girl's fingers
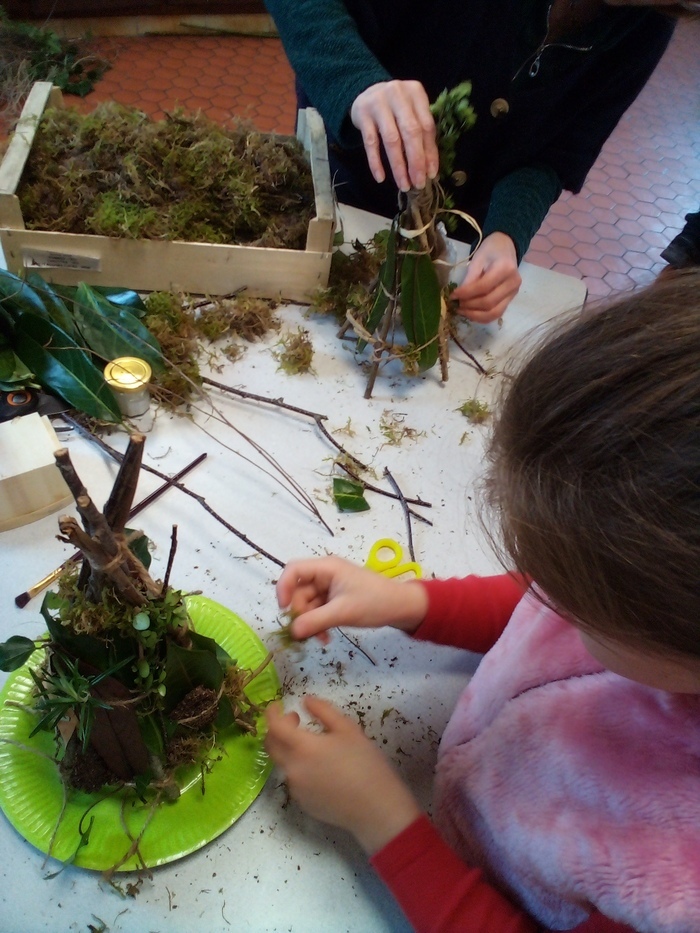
x=329 y=716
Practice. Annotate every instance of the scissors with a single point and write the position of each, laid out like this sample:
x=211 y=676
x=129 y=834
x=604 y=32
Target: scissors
x=389 y=563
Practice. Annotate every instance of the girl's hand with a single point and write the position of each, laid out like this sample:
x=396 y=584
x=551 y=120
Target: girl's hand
x=491 y=282
x=340 y=776
x=397 y=115
x=325 y=592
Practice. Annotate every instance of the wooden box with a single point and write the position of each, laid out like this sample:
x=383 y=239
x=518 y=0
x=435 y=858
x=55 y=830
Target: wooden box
x=155 y=265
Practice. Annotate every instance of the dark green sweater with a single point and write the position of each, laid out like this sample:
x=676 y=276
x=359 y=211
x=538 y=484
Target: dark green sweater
x=564 y=99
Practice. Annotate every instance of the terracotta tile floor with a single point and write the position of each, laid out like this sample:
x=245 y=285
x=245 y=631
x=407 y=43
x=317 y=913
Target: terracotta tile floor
x=611 y=234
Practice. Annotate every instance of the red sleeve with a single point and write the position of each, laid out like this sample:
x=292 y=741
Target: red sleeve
x=440 y=894
x=471 y=612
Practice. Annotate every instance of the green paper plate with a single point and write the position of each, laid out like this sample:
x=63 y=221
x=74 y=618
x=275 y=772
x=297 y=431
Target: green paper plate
x=31 y=791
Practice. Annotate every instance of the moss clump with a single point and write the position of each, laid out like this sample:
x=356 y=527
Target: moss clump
x=352 y=278
x=474 y=411
x=115 y=172
x=179 y=323
x=295 y=352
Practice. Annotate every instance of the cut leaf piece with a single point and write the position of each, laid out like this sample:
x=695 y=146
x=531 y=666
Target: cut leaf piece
x=349 y=495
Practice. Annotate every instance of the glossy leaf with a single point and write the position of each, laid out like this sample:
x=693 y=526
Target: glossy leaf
x=112 y=331
x=60 y=365
x=16 y=296
x=124 y=297
x=92 y=651
x=187 y=669
x=208 y=644
x=349 y=495
x=15 y=651
x=420 y=306
x=385 y=287
x=53 y=303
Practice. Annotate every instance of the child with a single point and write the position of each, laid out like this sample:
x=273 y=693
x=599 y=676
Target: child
x=567 y=788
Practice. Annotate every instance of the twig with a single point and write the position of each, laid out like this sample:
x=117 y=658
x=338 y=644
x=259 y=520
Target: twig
x=358 y=646
x=118 y=506
x=171 y=558
x=409 y=530
x=23 y=598
x=377 y=351
x=193 y=495
x=471 y=357
x=390 y=495
x=280 y=403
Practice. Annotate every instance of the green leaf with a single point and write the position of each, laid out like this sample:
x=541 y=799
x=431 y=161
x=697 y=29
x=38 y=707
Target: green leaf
x=208 y=644
x=17 y=296
x=385 y=287
x=54 y=304
x=13 y=372
x=186 y=669
x=15 y=651
x=420 y=306
x=60 y=365
x=349 y=495
x=112 y=330
x=139 y=547
x=124 y=297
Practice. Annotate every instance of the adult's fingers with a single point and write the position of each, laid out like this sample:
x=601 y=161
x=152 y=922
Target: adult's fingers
x=396 y=114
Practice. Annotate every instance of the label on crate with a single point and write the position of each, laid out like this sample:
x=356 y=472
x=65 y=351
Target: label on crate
x=51 y=259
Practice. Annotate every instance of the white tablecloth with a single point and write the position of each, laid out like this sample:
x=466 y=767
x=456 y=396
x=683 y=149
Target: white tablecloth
x=275 y=869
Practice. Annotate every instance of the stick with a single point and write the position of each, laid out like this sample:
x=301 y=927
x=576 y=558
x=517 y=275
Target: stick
x=22 y=600
x=393 y=482
x=188 y=492
x=280 y=403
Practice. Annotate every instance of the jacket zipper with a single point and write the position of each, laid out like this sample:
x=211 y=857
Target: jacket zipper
x=536 y=57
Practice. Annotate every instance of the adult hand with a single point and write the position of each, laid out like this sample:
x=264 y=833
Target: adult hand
x=328 y=591
x=491 y=282
x=397 y=115
x=339 y=775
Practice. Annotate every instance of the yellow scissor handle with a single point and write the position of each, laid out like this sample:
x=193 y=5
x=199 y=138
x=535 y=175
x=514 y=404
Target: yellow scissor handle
x=390 y=566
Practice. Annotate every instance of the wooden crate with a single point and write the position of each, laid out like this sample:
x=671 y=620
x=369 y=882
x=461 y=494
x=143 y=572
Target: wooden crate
x=154 y=265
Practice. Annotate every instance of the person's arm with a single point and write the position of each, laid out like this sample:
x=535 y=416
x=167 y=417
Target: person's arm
x=441 y=894
x=329 y=57
x=470 y=612
x=520 y=202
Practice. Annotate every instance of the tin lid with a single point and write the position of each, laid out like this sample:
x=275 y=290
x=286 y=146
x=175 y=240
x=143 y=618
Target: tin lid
x=127 y=374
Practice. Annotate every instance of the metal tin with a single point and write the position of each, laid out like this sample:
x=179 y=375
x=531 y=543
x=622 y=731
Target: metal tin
x=128 y=378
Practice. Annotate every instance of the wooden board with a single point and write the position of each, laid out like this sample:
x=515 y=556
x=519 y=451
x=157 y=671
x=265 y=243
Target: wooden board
x=149 y=265
x=31 y=485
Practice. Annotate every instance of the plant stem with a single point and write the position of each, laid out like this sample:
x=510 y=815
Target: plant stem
x=280 y=403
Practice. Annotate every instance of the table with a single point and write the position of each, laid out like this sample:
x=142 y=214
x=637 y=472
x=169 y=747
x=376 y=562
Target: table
x=275 y=869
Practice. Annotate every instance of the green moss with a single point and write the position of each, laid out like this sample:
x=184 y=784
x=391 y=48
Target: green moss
x=115 y=172
x=475 y=411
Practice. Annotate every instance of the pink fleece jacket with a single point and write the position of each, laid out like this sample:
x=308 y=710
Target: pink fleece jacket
x=572 y=787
